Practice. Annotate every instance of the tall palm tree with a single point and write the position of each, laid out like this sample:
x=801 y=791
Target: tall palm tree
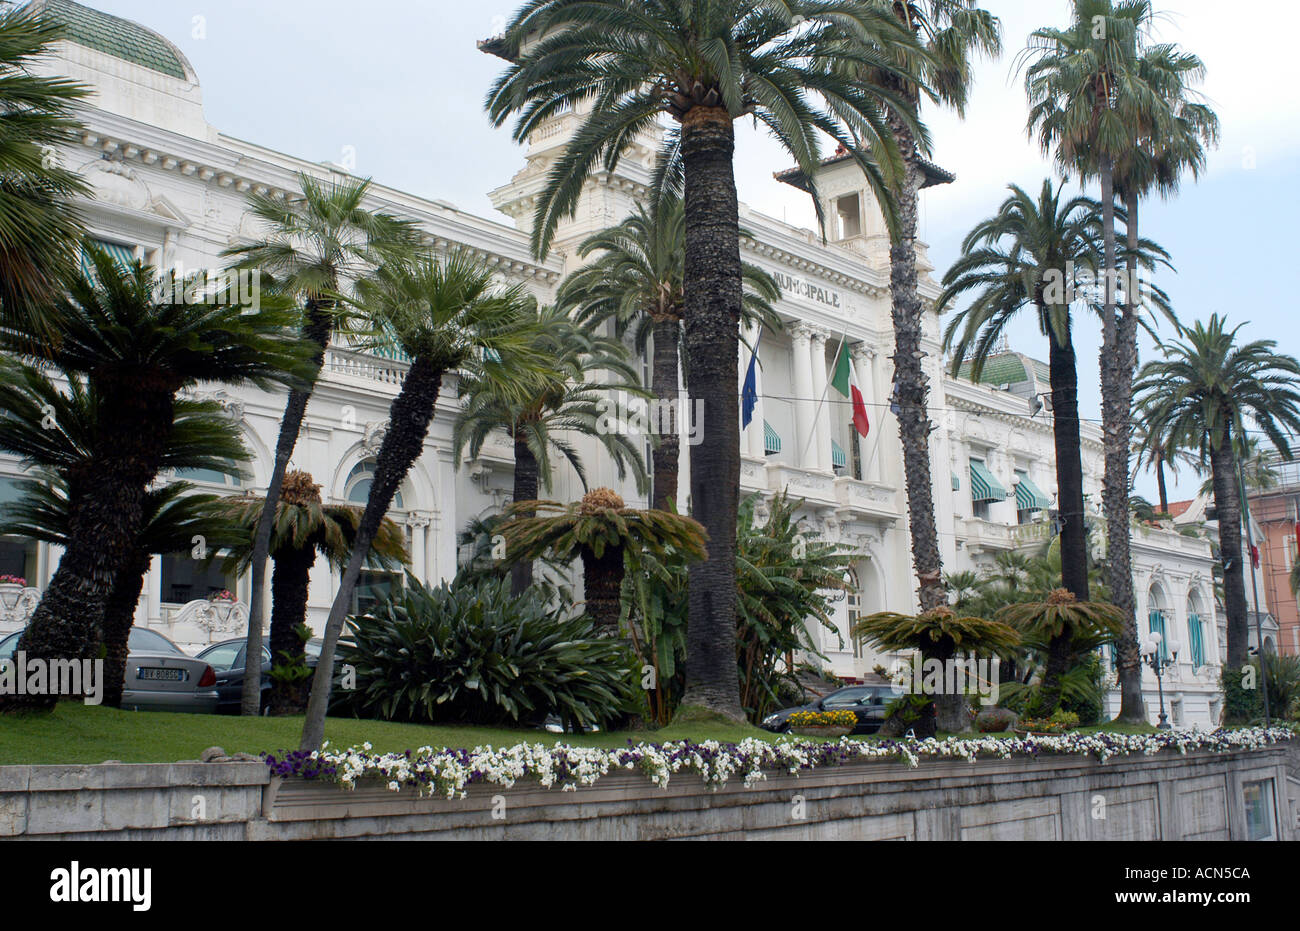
x=1088 y=105
x=314 y=249
x=1018 y=260
x=39 y=230
x=624 y=64
x=138 y=340
x=950 y=34
x=603 y=532
x=444 y=313
x=637 y=282
x=1155 y=451
x=1203 y=395
x=569 y=401
x=304 y=527
x=202 y=438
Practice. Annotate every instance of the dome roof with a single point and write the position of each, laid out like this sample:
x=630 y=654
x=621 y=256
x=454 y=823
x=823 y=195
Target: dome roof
x=115 y=36
x=1008 y=368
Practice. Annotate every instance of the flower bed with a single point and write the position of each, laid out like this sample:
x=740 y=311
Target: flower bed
x=449 y=771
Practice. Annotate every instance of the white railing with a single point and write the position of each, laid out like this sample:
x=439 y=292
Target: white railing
x=214 y=617
x=363 y=365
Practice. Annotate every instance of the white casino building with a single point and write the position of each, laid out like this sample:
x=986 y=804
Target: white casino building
x=171 y=188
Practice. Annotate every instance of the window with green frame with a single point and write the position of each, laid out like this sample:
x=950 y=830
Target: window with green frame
x=1196 y=636
x=1156 y=624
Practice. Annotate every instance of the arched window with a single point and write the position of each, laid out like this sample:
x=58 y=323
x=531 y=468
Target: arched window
x=854 y=601
x=209 y=477
x=1157 y=613
x=357 y=488
x=1196 y=629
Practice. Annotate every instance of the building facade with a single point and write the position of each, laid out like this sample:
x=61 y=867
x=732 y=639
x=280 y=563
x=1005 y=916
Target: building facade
x=170 y=189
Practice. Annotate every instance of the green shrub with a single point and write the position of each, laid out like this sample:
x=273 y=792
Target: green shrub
x=469 y=652
x=1084 y=697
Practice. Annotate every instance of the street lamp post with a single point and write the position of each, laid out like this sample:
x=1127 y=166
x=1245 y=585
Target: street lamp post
x=1151 y=654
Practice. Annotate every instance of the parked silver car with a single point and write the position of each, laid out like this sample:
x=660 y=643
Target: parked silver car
x=160 y=676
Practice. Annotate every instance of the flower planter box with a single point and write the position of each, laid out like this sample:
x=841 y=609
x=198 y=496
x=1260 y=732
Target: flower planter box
x=821 y=731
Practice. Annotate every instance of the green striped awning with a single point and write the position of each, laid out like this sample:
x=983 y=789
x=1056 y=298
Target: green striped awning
x=1029 y=497
x=771 y=439
x=838 y=458
x=983 y=486
x=123 y=255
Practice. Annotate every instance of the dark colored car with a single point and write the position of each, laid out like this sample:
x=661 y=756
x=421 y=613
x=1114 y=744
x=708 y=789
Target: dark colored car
x=227 y=658
x=868 y=702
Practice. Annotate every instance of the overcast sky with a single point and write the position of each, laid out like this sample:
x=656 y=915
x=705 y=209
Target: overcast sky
x=403 y=84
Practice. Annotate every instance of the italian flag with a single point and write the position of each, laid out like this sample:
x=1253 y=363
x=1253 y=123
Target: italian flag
x=845 y=383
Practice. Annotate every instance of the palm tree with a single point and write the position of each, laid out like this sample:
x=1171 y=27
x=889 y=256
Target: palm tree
x=605 y=534
x=1202 y=395
x=444 y=313
x=139 y=340
x=637 y=282
x=202 y=438
x=303 y=528
x=1154 y=451
x=568 y=401
x=624 y=64
x=314 y=248
x=950 y=34
x=1020 y=259
x=1090 y=103
x=39 y=231
x=1010 y=261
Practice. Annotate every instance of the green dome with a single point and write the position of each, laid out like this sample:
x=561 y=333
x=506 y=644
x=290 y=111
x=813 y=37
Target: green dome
x=115 y=36
x=1008 y=368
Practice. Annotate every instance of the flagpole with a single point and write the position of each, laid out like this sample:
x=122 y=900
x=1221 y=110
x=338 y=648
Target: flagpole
x=822 y=403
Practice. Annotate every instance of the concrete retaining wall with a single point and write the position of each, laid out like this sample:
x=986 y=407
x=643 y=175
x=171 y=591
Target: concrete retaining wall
x=1165 y=797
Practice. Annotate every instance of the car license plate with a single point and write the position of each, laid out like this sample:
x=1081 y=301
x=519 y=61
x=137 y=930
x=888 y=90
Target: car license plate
x=161 y=675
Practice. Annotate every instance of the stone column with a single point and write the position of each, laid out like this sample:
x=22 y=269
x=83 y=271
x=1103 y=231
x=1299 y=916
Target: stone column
x=419 y=524
x=806 y=398
x=820 y=458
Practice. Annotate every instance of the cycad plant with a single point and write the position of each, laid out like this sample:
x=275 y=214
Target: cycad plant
x=636 y=283
x=304 y=528
x=314 y=249
x=622 y=65
x=589 y=373
x=1205 y=395
x=1061 y=618
x=941 y=634
x=608 y=537
x=138 y=340
x=445 y=313
x=40 y=231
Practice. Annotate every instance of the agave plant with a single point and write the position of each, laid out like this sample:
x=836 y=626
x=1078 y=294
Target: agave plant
x=1062 y=618
x=606 y=535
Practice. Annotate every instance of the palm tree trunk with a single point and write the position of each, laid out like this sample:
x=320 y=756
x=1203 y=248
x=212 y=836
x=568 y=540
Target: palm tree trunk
x=119 y=616
x=602 y=586
x=1227 y=501
x=526 y=483
x=1064 y=379
x=105 y=514
x=409 y=417
x=713 y=293
x=1160 y=484
x=1116 y=411
x=911 y=392
x=290 y=580
x=317 y=329
x=667 y=450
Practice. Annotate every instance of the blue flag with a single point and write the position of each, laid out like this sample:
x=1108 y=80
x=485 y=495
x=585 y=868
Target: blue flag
x=749 y=397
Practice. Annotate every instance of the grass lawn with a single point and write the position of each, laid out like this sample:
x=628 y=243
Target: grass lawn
x=75 y=733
